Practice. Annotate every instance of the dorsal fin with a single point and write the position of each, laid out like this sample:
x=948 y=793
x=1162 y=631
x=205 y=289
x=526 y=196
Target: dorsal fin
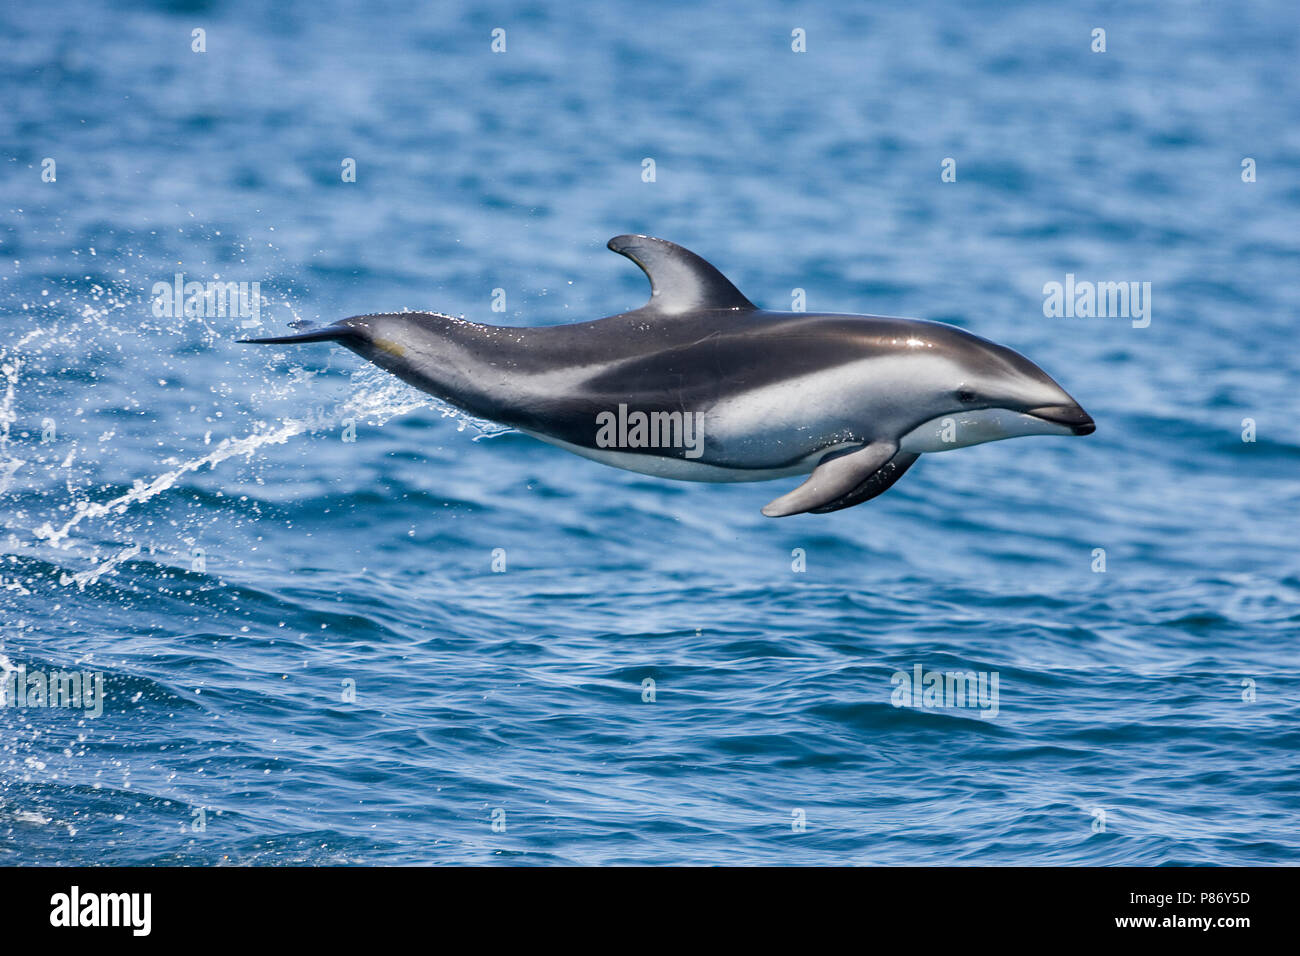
x=680 y=281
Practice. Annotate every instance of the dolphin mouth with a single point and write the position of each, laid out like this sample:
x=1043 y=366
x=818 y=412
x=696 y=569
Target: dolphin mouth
x=1071 y=416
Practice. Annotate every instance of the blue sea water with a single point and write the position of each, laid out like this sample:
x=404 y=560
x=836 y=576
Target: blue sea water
x=182 y=514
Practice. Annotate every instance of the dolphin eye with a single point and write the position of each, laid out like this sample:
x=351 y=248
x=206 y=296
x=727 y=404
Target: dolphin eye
x=965 y=395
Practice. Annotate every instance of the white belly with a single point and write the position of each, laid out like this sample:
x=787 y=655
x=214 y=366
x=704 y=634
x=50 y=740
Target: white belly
x=771 y=422
x=686 y=469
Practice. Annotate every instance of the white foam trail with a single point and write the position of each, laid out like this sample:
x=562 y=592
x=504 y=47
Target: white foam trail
x=378 y=399
x=6 y=668
x=82 y=578
x=9 y=464
x=141 y=491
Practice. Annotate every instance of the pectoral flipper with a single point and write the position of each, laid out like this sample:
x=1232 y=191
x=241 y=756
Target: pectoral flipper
x=844 y=480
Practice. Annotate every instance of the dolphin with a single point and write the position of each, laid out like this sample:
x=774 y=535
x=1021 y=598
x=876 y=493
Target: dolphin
x=699 y=384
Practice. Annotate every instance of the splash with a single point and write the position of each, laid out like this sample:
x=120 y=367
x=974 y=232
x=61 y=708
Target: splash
x=143 y=491
x=376 y=399
x=82 y=578
x=6 y=668
x=9 y=463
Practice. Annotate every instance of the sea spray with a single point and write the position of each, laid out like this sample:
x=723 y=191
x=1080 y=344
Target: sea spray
x=377 y=398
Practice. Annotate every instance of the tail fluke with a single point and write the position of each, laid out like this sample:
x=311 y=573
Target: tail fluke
x=328 y=333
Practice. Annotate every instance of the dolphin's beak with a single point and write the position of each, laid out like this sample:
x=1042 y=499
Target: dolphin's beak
x=1071 y=416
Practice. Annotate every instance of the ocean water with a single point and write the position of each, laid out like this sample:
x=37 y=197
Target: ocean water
x=305 y=651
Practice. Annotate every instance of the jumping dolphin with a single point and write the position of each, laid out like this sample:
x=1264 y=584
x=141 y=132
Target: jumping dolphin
x=700 y=384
